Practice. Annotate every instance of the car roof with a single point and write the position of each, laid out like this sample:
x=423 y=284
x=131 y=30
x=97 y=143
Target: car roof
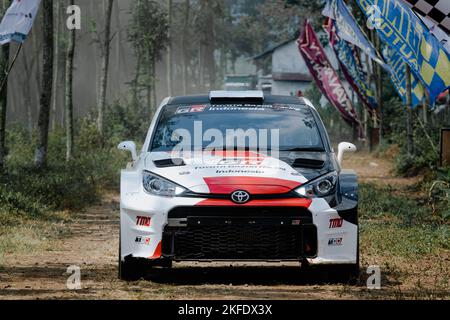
x=268 y=99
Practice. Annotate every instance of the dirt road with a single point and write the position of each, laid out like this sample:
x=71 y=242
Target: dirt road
x=92 y=241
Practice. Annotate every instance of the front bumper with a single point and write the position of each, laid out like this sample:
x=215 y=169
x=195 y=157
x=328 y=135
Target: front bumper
x=182 y=228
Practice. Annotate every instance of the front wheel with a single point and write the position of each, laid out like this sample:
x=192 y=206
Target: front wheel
x=130 y=269
x=347 y=272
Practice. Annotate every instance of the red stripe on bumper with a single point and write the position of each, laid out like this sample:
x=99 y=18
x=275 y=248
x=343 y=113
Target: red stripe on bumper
x=253 y=185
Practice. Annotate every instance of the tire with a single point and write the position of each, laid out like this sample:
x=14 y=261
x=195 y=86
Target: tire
x=349 y=273
x=130 y=269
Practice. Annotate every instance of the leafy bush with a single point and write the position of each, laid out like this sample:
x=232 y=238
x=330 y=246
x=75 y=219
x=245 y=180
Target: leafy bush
x=30 y=192
x=439 y=194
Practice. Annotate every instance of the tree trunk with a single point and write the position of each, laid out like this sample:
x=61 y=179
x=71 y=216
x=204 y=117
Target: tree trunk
x=409 y=126
x=370 y=76
x=37 y=48
x=201 y=74
x=47 y=77
x=119 y=41
x=56 y=62
x=379 y=92
x=155 y=99
x=68 y=101
x=93 y=9
x=149 y=88
x=425 y=105
x=137 y=76
x=169 y=51
x=187 y=8
x=4 y=63
x=210 y=45
x=105 y=66
x=27 y=94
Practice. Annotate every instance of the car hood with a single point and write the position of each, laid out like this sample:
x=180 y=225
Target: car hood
x=228 y=171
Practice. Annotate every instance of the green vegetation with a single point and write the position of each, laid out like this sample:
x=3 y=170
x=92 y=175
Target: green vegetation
x=36 y=203
x=34 y=193
x=400 y=223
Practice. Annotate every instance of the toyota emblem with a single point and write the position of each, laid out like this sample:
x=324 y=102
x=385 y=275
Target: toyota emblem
x=240 y=197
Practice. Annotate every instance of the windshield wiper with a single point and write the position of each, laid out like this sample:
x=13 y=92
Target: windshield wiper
x=313 y=149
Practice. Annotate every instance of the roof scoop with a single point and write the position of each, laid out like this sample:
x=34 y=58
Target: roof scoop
x=249 y=96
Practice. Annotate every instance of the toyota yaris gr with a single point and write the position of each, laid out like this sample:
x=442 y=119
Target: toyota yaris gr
x=237 y=176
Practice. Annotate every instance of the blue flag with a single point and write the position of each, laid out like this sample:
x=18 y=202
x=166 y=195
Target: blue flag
x=351 y=66
x=398 y=77
x=347 y=29
x=405 y=33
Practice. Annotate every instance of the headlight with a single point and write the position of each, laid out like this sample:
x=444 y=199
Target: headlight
x=161 y=187
x=320 y=187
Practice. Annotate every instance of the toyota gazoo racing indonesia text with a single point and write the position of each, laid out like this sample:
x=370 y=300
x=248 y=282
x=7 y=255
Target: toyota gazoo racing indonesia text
x=237 y=176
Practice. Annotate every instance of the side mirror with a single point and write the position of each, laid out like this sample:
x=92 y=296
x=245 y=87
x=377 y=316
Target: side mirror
x=128 y=146
x=342 y=148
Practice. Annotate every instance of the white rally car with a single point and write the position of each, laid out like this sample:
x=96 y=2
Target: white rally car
x=237 y=176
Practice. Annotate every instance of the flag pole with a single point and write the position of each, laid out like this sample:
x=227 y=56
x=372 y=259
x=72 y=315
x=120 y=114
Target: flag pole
x=5 y=79
x=409 y=129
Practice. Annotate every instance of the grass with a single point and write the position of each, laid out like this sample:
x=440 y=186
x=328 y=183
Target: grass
x=396 y=222
x=401 y=234
x=35 y=203
x=21 y=234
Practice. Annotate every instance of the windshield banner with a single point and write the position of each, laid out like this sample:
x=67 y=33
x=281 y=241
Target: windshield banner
x=323 y=73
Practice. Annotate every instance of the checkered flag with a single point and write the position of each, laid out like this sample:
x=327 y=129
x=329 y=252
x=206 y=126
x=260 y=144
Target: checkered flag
x=438 y=11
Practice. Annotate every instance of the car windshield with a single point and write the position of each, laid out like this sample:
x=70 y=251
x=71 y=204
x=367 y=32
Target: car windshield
x=240 y=126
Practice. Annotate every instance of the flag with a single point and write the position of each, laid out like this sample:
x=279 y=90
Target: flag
x=438 y=11
x=351 y=66
x=430 y=12
x=402 y=30
x=18 y=20
x=398 y=76
x=347 y=29
x=323 y=73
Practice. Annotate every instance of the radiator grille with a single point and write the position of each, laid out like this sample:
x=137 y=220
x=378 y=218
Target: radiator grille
x=239 y=240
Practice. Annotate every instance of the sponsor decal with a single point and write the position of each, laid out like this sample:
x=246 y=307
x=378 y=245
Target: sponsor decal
x=335 y=223
x=198 y=108
x=142 y=240
x=237 y=107
x=181 y=110
x=242 y=161
x=335 y=242
x=143 y=221
x=189 y=109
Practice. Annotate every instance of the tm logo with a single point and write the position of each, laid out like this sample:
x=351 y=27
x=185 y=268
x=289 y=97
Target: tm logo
x=374 y=19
